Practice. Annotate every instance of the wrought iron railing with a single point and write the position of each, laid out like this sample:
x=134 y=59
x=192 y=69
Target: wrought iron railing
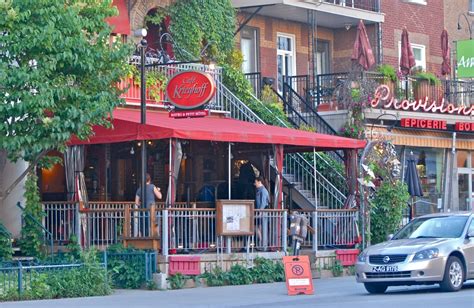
x=367 y=5
x=255 y=80
x=456 y=91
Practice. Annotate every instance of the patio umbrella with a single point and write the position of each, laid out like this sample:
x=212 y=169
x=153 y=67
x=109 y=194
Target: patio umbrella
x=362 y=52
x=407 y=59
x=413 y=181
x=445 y=50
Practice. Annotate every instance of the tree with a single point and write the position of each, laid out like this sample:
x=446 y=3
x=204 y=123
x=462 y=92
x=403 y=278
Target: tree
x=58 y=73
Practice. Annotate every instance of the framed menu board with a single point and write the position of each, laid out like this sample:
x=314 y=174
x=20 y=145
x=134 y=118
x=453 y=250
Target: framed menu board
x=235 y=217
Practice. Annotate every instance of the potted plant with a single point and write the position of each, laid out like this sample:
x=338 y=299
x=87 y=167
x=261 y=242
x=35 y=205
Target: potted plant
x=389 y=76
x=426 y=84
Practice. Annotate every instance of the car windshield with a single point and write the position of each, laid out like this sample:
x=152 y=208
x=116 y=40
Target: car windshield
x=433 y=227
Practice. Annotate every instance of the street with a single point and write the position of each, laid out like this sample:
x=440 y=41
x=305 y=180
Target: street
x=336 y=292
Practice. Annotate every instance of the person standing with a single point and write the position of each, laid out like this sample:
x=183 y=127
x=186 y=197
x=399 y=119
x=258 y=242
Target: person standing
x=151 y=192
x=262 y=200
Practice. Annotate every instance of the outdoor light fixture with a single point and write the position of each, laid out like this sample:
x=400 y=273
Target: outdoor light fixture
x=132 y=151
x=140 y=33
x=469 y=25
x=382 y=115
x=347 y=26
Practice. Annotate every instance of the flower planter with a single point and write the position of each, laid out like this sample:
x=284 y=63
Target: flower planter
x=132 y=95
x=186 y=265
x=423 y=89
x=347 y=257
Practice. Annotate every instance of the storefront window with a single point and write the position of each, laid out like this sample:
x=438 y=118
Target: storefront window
x=465 y=180
x=430 y=166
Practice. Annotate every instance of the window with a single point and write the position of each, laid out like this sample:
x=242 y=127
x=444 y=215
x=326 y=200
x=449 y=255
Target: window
x=286 y=58
x=419 y=52
x=249 y=47
x=423 y=2
x=471 y=7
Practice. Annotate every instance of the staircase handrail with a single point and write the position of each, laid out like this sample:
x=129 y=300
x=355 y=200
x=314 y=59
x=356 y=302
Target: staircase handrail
x=320 y=118
x=39 y=224
x=253 y=117
x=340 y=176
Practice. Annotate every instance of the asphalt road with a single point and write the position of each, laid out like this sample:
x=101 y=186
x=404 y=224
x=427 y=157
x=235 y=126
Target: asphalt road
x=336 y=292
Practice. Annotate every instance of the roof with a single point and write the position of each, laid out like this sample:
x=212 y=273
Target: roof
x=127 y=127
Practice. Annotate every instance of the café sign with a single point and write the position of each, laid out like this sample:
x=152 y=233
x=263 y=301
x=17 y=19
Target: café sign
x=436 y=124
x=190 y=89
x=384 y=99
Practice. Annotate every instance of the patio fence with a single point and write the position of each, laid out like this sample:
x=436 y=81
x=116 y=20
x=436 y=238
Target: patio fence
x=191 y=228
x=19 y=276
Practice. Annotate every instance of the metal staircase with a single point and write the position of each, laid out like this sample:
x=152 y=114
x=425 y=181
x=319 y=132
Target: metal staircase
x=306 y=184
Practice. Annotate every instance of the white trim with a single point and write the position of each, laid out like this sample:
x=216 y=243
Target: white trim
x=292 y=53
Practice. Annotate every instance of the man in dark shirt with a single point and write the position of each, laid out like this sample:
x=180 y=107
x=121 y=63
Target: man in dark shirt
x=143 y=219
x=262 y=200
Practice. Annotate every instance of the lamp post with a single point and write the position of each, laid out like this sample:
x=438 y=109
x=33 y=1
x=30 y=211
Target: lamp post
x=142 y=46
x=469 y=25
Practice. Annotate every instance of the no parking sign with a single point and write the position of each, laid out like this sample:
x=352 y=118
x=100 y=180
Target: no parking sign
x=298 y=275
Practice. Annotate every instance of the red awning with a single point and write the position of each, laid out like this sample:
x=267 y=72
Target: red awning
x=120 y=24
x=159 y=125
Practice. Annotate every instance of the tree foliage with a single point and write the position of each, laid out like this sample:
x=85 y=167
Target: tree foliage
x=58 y=72
x=195 y=23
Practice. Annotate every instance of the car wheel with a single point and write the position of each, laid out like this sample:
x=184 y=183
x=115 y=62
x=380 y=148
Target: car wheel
x=375 y=288
x=453 y=275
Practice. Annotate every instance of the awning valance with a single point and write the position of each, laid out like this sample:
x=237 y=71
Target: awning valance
x=127 y=127
x=428 y=139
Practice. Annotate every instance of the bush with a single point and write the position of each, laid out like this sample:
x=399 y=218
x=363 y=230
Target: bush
x=264 y=271
x=88 y=279
x=177 y=281
x=6 y=250
x=337 y=269
x=126 y=272
x=387 y=210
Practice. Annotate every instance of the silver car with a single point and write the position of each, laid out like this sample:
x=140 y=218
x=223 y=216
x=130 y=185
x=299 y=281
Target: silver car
x=437 y=248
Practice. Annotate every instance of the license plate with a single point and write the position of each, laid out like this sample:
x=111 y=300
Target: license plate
x=385 y=268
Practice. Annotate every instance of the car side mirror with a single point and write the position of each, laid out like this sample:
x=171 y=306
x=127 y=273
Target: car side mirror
x=389 y=237
x=470 y=234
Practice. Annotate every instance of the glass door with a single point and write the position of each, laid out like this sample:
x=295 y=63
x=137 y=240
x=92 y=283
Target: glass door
x=286 y=58
x=466 y=180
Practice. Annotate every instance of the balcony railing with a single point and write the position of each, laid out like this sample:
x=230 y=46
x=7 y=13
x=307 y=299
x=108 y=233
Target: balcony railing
x=368 y=5
x=455 y=91
x=132 y=93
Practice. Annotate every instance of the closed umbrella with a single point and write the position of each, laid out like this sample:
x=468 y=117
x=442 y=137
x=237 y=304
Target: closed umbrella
x=407 y=58
x=413 y=181
x=362 y=52
x=445 y=51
